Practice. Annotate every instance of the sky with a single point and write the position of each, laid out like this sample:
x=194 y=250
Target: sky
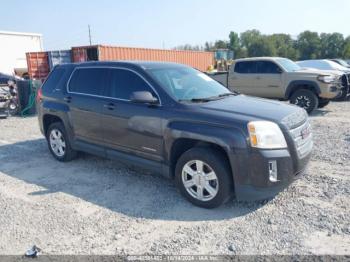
x=165 y=23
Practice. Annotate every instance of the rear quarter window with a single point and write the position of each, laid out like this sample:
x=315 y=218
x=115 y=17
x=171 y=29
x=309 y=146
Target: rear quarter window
x=246 y=67
x=54 y=79
x=89 y=81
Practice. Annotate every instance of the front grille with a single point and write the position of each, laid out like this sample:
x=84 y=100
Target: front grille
x=302 y=137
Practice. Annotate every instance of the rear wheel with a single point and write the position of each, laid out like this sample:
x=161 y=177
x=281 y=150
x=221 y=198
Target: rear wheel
x=306 y=99
x=59 y=143
x=203 y=177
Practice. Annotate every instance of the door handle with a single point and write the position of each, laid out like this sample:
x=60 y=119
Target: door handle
x=109 y=106
x=258 y=77
x=68 y=99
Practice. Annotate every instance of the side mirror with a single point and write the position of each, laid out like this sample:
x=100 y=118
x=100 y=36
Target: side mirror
x=279 y=70
x=143 y=97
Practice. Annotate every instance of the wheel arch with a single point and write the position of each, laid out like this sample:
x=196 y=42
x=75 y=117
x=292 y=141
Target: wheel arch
x=49 y=119
x=302 y=84
x=181 y=137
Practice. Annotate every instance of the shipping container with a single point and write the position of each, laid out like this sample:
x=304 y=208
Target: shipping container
x=59 y=57
x=197 y=59
x=38 y=65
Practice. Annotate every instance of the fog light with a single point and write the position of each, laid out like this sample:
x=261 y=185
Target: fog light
x=273 y=171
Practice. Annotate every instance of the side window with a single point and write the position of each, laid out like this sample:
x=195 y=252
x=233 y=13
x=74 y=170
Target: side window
x=53 y=79
x=267 y=67
x=124 y=82
x=247 y=67
x=88 y=81
x=3 y=81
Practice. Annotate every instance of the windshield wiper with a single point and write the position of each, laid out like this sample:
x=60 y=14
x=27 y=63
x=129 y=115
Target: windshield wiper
x=228 y=94
x=207 y=99
x=197 y=100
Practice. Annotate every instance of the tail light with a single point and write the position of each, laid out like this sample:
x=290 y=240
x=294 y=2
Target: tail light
x=39 y=95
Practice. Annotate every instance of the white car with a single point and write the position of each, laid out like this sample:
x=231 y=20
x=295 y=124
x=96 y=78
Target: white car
x=328 y=65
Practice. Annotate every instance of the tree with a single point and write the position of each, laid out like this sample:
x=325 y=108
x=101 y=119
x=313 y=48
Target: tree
x=249 y=37
x=332 y=45
x=208 y=46
x=221 y=44
x=261 y=46
x=309 y=45
x=346 y=48
x=284 y=45
x=189 y=47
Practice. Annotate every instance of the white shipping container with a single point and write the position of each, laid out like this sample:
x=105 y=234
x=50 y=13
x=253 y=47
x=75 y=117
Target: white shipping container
x=13 y=49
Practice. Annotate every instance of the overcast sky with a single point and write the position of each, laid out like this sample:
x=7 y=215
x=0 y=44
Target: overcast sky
x=163 y=23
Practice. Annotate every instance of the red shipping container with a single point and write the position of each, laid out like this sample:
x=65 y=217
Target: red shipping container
x=197 y=59
x=38 y=65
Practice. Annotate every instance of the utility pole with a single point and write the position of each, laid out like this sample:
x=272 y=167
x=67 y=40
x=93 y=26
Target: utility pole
x=89 y=35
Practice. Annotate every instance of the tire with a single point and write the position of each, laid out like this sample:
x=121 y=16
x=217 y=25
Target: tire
x=343 y=94
x=13 y=108
x=322 y=103
x=306 y=99
x=59 y=144
x=220 y=185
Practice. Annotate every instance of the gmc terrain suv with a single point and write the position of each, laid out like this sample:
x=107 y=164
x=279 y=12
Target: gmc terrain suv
x=281 y=78
x=175 y=120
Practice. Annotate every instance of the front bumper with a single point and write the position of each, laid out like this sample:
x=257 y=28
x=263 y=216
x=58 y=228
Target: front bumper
x=252 y=170
x=330 y=91
x=259 y=186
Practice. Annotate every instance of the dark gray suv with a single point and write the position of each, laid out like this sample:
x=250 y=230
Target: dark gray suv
x=174 y=120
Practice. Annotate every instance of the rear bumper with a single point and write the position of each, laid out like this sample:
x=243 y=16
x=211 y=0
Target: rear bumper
x=256 y=185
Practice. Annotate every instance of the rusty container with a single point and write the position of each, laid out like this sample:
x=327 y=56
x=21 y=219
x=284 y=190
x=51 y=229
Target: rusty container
x=38 y=65
x=197 y=59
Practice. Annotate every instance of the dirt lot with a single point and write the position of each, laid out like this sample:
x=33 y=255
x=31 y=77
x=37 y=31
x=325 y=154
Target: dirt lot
x=97 y=206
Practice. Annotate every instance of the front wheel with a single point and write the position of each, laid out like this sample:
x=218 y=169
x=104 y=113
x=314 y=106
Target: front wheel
x=306 y=99
x=203 y=177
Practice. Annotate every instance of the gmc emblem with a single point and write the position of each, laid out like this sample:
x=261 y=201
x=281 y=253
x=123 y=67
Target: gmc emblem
x=305 y=132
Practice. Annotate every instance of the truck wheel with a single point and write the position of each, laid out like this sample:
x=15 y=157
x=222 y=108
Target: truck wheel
x=59 y=143
x=323 y=102
x=306 y=99
x=343 y=94
x=203 y=177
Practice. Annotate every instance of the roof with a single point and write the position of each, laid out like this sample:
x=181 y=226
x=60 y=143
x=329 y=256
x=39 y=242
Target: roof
x=20 y=33
x=258 y=58
x=142 y=64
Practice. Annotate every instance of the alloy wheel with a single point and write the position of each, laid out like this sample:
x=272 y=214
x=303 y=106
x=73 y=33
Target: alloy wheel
x=303 y=101
x=57 y=142
x=200 y=180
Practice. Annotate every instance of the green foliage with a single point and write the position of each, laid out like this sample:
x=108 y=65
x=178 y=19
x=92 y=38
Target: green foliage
x=346 y=49
x=308 y=45
x=332 y=45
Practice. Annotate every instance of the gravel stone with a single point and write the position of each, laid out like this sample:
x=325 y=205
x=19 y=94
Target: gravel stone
x=98 y=206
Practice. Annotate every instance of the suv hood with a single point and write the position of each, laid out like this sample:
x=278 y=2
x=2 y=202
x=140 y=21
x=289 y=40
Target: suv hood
x=251 y=108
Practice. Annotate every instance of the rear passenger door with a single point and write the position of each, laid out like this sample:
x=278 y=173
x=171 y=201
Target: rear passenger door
x=268 y=81
x=241 y=77
x=85 y=88
x=130 y=127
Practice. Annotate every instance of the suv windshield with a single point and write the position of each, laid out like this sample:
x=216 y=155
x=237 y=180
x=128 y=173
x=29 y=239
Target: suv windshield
x=188 y=84
x=288 y=65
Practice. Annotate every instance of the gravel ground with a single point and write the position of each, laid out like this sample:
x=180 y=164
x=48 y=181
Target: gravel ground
x=96 y=206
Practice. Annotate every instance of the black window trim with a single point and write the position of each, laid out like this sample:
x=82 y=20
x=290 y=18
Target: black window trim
x=109 y=97
x=270 y=61
x=245 y=61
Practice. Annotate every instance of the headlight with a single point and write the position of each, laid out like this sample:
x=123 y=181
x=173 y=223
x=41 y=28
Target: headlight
x=266 y=135
x=326 y=79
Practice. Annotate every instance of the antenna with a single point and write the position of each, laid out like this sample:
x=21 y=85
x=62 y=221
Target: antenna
x=89 y=34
